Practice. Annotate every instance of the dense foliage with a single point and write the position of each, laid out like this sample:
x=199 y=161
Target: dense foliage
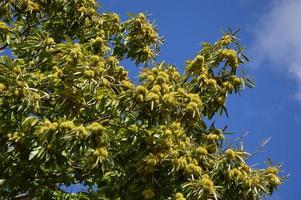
x=70 y=113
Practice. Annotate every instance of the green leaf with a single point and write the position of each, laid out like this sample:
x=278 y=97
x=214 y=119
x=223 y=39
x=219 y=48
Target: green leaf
x=35 y=152
x=2 y=181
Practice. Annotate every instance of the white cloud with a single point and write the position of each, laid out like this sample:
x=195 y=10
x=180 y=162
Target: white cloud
x=278 y=38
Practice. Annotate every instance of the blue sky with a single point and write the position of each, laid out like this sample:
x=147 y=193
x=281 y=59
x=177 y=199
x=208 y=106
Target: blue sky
x=271 y=31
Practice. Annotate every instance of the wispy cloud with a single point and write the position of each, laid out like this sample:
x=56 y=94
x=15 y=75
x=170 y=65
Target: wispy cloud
x=278 y=38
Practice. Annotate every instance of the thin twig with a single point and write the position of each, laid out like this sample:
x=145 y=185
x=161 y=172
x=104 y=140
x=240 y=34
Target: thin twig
x=237 y=139
x=21 y=196
x=260 y=148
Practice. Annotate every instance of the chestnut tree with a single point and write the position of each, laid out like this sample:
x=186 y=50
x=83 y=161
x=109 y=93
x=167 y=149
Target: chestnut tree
x=70 y=114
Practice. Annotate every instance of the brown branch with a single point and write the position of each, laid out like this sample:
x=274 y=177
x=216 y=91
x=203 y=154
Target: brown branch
x=4 y=46
x=23 y=33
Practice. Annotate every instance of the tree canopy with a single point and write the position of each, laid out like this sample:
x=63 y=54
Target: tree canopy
x=70 y=114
